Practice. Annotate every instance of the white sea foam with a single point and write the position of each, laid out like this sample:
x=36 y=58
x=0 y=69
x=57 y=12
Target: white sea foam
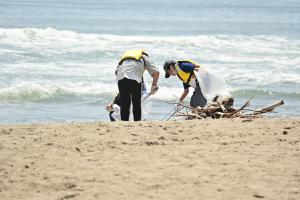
x=41 y=63
x=34 y=91
x=61 y=38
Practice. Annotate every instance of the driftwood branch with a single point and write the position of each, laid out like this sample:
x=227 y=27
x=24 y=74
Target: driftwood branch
x=269 y=108
x=238 y=110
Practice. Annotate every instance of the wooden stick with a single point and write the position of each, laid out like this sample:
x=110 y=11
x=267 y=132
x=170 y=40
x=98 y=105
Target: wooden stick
x=208 y=109
x=269 y=108
x=241 y=108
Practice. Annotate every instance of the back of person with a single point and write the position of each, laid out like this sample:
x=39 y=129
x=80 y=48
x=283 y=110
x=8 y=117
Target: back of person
x=129 y=75
x=131 y=69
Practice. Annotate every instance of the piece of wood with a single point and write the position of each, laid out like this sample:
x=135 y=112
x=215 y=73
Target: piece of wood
x=238 y=110
x=269 y=108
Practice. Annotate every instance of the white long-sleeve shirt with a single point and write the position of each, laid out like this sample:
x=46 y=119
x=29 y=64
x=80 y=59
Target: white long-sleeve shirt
x=133 y=69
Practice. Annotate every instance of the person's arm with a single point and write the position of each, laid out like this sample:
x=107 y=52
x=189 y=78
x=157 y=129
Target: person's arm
x=155 y=77
x=153 y=71
x=184 y=94
x=109 y=107
x=117 y=100
x=154 y=86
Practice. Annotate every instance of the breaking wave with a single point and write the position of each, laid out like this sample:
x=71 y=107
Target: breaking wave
x=31 y=92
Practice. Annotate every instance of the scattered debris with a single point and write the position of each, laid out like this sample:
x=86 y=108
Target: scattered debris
x=222 y=107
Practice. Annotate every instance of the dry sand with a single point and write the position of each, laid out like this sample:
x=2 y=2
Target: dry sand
x=205 y=159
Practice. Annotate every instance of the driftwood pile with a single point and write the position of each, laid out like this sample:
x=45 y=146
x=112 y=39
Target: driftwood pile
x=221 y=107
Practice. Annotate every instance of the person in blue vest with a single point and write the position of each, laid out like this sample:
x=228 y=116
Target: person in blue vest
x=184 y=70
x=129 y=75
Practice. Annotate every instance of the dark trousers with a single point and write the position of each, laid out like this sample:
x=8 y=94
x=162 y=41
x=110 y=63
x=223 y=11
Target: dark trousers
x=111 y=117
x=130 y=90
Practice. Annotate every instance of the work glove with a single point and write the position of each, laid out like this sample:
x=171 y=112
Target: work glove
x=154 y=89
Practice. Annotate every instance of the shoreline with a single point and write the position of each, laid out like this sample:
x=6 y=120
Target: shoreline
x=196 y=159
x=264 y=116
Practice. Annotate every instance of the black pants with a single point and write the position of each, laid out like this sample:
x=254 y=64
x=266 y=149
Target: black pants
x=111 y=117
x=130 y=90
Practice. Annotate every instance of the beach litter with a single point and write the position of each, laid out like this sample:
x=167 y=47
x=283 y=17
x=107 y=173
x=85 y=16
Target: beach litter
x=221 y=107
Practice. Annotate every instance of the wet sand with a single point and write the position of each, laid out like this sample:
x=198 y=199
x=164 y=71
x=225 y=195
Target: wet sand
x=199 y=159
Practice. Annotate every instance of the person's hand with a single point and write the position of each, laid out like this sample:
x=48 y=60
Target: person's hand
x=109 y=107
x=154 y=89
x=178 y=105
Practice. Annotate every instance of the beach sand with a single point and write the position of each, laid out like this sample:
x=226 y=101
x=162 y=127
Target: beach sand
x=198 y=159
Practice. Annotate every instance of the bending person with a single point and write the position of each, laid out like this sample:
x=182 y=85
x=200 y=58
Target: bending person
x=184 y=70
x=129 y=75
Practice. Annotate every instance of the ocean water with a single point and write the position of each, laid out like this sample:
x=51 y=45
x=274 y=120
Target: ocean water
x=57 y=58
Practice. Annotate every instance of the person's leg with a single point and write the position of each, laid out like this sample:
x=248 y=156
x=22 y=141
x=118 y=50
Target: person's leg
x=125 y=101
x=111 y=117
x=136 y=100
x=198 y=98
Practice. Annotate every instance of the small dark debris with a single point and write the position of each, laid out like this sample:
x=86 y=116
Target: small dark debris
x=284 y=132
x=151 y=143
x=281 y=140
x=247 y=120
x=77 y=149
x=70 y=185
x=161 y=138
x=225 y=163
x=258 y=196
x=68 y=196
